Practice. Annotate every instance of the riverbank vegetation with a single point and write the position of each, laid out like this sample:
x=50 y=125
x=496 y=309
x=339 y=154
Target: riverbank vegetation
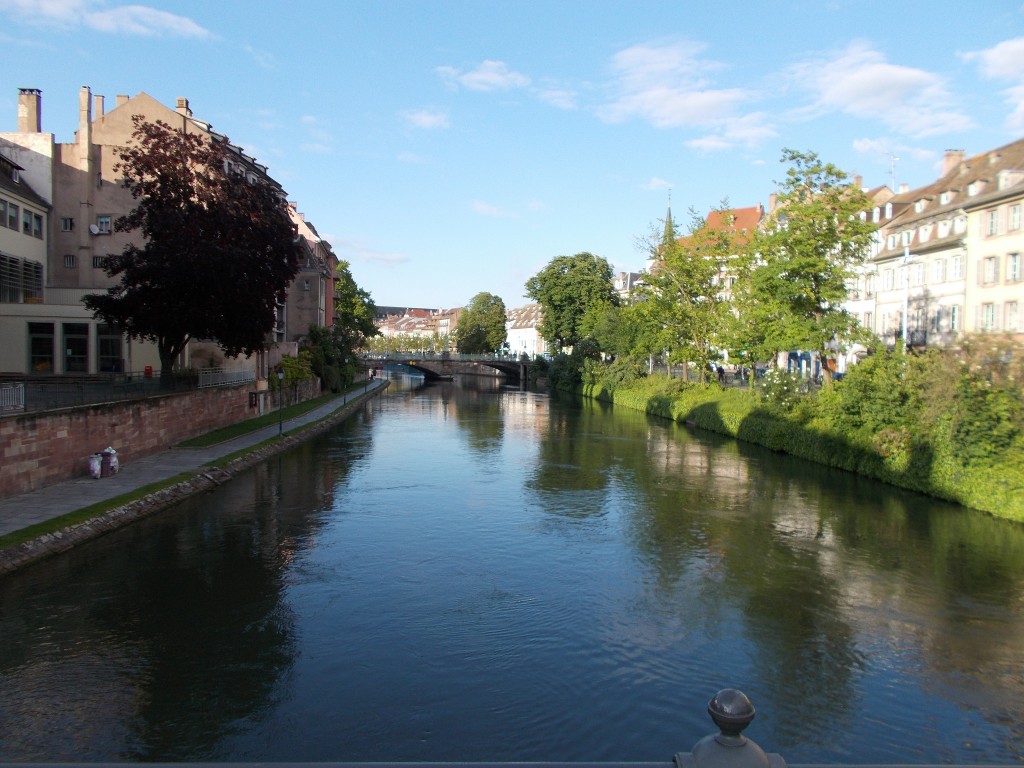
x=948 y=423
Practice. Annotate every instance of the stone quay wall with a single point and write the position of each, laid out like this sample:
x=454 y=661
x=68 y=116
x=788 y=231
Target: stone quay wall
x=39 y=449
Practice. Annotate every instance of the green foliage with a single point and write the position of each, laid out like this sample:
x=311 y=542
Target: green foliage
x=781 y=390
x=567 y=289
x=792 y=286
x=481 y=327
x=948 y=425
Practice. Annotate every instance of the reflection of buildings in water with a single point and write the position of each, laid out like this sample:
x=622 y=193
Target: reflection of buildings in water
x=525 y=412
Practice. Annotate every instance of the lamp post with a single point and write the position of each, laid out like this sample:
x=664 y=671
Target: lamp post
x=280 y=400
x=906 y=295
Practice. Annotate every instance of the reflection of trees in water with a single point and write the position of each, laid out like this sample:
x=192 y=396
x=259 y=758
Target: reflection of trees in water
x=820 y=566
x=175 y=625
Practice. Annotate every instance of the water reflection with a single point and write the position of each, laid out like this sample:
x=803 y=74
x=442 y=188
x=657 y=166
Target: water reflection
x=465 y=571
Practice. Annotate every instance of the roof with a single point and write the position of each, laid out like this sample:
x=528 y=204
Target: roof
x=13 y=182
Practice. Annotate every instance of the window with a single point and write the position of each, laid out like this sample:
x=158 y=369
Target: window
x=954 y=318
x=21 y=281
x=98 y=261
x=938 y=271
x=918 y=206
x=956 y=268
x=992 y=227
x=3 y=213
x=12 y=216
x=989 y=270
x=103 y=224
x=40 y=346
x=67 y=224
x=1014 y=223
x=988 y=317
x=26 y=222
x=1011 y=316
x=108 y=341
x=906 y=235
x=37 y=226
x=1013 y=267
x=887 y=279
x=868 y=319
x=69 y=261
x=917 y=274
x=869 y=286
x=945 y=197
x=960 y=225
x=76 y=347
x=891 y=242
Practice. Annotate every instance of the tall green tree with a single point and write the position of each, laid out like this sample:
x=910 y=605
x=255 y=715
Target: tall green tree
x=684 y=290
x=567 y=289
x=217 y=252
x=805 y=257
x=334 y=351
x=481 y=327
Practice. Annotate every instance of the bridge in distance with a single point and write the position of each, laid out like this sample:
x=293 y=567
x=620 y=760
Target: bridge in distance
x=437 y=366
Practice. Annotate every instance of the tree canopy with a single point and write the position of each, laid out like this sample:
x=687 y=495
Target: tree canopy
x=217 y=252
x=683 y=290
x=794 y=288
x=481 y=326
x=567 y=289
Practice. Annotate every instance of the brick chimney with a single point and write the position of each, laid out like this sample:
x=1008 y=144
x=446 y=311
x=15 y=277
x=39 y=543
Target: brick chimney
x=30 y=110
x=952 y=159
x=182 y=108
x=120 y=100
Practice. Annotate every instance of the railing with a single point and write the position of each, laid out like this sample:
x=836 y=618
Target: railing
x=221 y=377
x=12 y=397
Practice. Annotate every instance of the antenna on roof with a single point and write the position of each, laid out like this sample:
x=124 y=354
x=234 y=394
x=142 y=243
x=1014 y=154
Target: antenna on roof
x=892 y=170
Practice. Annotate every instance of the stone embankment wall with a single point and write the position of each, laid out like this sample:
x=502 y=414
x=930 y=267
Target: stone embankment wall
x=38 y=449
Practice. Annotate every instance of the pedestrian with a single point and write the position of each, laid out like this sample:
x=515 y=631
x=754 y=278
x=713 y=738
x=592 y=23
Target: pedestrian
x=721 y=375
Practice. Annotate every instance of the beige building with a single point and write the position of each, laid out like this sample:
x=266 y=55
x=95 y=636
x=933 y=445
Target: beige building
x=78 y=182
x=947 y=260
x=24 y=234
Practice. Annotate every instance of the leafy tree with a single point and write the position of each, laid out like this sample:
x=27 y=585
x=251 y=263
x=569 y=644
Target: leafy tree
x=683 y=290
x=481 y=326
x=566 y=289
x=806 y=254
x=217 y=253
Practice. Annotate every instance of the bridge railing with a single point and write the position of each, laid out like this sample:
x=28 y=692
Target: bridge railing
x=438 y=357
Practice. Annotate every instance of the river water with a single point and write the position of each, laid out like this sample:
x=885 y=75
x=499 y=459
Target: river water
x=468 y=572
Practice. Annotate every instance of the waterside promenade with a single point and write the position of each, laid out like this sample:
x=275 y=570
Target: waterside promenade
x=54 y=501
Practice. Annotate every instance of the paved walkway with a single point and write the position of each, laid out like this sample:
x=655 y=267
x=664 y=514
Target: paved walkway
x=17 y=512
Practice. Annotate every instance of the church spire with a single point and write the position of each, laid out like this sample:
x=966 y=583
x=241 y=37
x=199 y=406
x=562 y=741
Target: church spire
x=670 y=231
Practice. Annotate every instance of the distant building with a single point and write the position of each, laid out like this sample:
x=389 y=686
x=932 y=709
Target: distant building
x=521 y=326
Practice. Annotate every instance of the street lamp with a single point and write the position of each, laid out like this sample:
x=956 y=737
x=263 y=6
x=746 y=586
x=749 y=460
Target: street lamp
x=280 y=400
x=906 y=295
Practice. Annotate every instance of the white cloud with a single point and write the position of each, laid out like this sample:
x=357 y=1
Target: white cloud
x=426 y=118
x=139 y=20
x=486 y=209
x=668 y=85
x=562 y=98
x=357 y=249
x=489 y=76
x=656 y=183
x=1005 y=61
x=860 y=82
x=411 y=158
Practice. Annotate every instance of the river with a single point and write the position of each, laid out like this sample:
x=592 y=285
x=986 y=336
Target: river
x=468 y=572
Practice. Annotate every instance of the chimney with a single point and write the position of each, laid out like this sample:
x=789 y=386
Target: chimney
x=182 y=108
x=858 y=181
x=120 y=100
x=85 y=115
x=97 y=106
x=952 y=159
x=904 y=188
x=30 y=110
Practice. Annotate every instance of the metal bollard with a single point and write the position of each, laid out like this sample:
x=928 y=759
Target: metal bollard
x=731 y=711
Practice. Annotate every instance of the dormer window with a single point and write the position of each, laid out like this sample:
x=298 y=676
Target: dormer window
x=919 y=206
x=945 y=197
x=907 y=235
x=875 y=214
x=888 y=210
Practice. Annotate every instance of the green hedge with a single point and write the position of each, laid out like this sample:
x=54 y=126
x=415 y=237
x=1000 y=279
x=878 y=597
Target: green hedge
x=912 y=446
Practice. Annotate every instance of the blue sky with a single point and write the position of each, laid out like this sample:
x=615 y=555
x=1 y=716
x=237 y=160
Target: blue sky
x=450 y=147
